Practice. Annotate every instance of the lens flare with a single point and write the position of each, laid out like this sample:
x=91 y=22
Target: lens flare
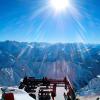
x=59 y=5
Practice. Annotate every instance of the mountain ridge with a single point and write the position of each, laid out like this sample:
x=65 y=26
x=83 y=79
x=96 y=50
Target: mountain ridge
x=80 y=62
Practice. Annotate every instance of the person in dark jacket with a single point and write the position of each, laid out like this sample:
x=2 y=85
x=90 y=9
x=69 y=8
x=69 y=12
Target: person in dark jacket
x=65 y=96
x=98 y=98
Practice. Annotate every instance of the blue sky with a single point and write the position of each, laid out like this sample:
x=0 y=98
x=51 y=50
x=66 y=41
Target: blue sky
x=34 y=21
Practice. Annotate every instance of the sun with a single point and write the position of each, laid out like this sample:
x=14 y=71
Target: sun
x=59 y=5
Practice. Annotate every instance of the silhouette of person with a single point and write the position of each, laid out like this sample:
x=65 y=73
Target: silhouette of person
x=98 y=98
x=65 y=96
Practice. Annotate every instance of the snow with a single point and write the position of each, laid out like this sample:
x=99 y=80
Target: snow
x=22 y=97
x=12 y=60
x=98 y=76
x=18 y=94
x=87 y=49
x=88 y=97
x=30 y=46
x=11 y=55
x=9 y=71
x=60 y=93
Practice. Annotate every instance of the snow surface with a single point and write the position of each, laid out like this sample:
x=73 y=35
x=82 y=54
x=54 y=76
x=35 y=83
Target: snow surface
x=60 y=93
x=22 y=95
x=98 y=76
x=18 y=94
x=89 y=97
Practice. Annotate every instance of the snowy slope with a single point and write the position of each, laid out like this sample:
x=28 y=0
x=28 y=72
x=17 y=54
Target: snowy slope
x=18 y=94
x=22 y=95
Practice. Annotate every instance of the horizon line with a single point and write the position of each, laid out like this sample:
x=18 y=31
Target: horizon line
x=48 y=42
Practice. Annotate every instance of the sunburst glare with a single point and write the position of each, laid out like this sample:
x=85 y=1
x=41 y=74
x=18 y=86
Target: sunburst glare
x=59 y=5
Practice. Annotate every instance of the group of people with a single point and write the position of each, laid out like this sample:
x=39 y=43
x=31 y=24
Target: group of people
x=66 y=97
x=67 y=94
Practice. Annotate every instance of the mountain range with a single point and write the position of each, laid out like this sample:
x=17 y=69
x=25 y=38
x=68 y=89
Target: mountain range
x=79 y=62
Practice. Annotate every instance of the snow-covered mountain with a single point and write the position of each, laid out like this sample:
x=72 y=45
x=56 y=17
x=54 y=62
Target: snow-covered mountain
x=93 y=88
x=80 y=62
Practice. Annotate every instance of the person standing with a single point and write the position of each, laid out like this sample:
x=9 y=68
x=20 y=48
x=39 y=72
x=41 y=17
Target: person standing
x=65 y=96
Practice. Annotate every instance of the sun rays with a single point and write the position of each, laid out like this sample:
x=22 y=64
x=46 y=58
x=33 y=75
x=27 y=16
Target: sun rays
x=59 y=5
